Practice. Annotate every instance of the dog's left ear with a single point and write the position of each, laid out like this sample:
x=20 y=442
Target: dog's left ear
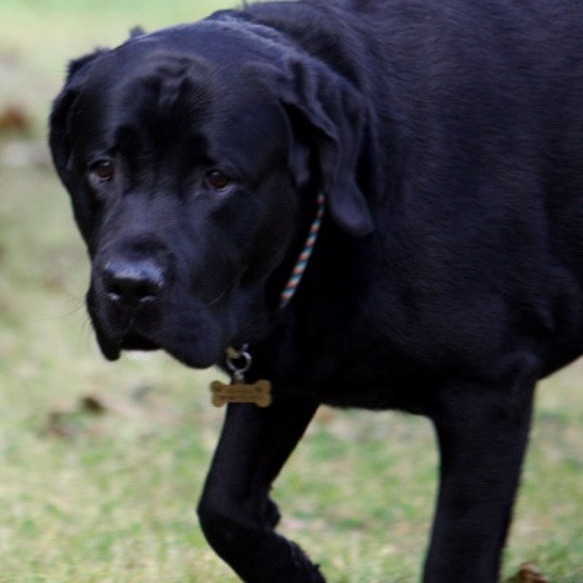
x=336 y=118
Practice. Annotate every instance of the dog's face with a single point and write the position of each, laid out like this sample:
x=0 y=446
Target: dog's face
x=191 y=180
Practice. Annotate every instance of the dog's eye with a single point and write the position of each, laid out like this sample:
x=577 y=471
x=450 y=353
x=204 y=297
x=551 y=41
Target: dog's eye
x=102 y=171
x=218 y=180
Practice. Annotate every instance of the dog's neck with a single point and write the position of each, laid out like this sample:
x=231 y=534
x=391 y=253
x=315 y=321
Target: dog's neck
x=239 y=360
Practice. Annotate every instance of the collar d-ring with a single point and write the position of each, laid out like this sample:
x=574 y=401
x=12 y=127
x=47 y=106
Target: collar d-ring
x=238 y=362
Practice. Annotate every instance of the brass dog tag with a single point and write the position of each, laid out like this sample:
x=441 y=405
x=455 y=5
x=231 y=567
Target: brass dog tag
x=258 y=393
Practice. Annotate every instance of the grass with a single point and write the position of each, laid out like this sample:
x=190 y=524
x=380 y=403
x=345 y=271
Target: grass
x=101 y=465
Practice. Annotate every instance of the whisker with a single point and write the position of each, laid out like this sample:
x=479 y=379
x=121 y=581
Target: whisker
x=219 y=296
x=80 y=305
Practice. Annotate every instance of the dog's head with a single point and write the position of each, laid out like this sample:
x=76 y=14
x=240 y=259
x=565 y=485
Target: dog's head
x=193 y=157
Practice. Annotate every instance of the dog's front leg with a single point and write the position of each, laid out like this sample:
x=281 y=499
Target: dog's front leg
x=483 y=433
x=236 y=514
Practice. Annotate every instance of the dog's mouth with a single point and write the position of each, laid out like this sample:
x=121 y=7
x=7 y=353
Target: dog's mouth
x=135 y=341
x=192 y=334
x=131 y=341
x=201 y=351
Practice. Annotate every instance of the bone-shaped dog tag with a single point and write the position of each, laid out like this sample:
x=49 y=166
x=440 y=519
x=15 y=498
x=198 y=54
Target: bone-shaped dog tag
x=258 y=393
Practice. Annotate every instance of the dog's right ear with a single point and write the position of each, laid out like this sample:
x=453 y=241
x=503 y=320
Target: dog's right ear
x=59 y=118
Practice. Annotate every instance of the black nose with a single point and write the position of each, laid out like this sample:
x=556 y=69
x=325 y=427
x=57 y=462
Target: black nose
x=133 y=282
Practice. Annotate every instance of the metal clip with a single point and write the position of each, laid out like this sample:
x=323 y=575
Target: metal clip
x=238 y=362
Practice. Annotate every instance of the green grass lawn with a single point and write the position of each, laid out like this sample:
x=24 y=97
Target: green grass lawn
x=101 y=464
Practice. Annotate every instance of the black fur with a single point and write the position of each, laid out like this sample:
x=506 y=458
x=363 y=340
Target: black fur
x=447 y=136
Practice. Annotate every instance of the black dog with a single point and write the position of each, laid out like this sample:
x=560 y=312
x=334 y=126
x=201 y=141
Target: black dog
x=447 y=270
